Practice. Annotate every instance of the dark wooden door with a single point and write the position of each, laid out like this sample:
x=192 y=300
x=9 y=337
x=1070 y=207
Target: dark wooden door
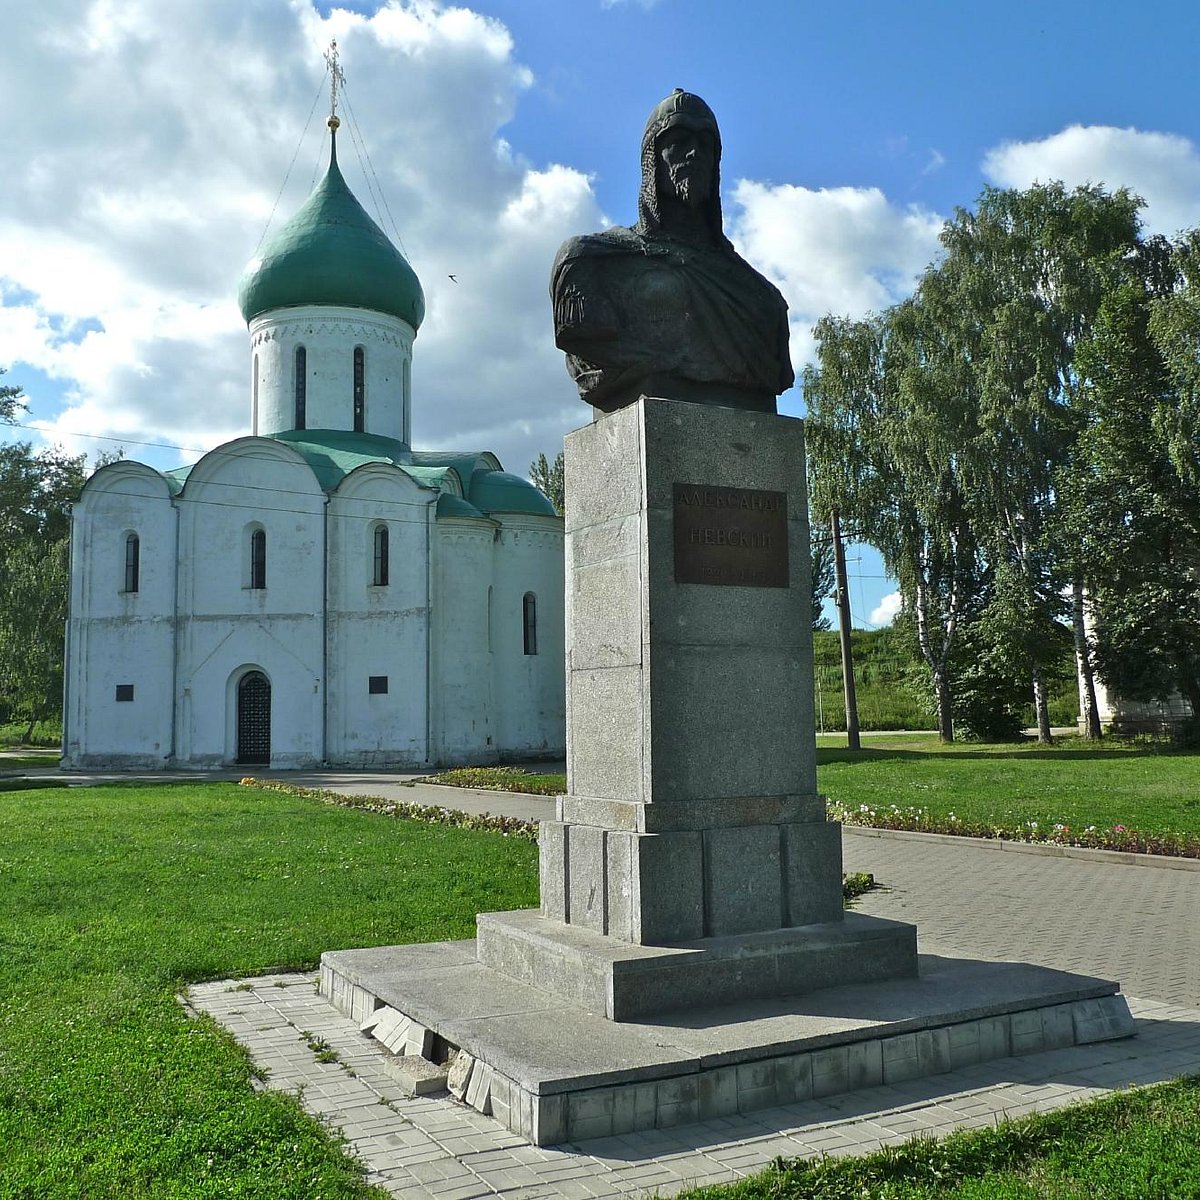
x=254 y=718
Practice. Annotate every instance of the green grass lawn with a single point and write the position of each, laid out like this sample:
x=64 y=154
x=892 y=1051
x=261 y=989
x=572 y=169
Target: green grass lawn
x=112 y=899
x=1131 y=1146
x=1074 y=782
x=45 y=733
x=1143 y=786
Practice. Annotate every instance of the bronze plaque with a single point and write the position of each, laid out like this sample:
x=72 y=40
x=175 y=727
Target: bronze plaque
x=732 y=536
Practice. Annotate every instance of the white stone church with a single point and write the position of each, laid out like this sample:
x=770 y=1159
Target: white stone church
x=317 y=592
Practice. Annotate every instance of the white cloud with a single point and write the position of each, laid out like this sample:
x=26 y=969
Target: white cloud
x=885 y=611
x=1162 y=168
x=847 y=251
x=155 y=152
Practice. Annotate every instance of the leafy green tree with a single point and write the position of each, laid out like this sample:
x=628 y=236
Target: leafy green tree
x=881 y=454
x=1175 y=328
x=549 y=478
x=10 y=400
x=36 y=490
x=1134 y=492
x=1019 y=288
x=822 y=576
x=943 y=425
x=33 y=613
x=1114 y=363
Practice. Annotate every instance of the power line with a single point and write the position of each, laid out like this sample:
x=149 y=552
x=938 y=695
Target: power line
x=103 y=437
x=251 y=487
x=370 y=172
x=288 y=173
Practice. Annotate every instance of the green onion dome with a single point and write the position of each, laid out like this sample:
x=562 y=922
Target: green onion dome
x=331 y=252
x=455 y=506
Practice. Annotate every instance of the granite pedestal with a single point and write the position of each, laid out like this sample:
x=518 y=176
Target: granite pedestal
x=691 y=857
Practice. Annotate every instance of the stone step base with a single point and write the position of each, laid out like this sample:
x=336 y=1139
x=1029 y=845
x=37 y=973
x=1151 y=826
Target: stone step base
x=627 y=982
x=552 y=1073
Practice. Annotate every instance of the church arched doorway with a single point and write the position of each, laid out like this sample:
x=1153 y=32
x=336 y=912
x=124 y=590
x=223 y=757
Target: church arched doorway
x=254 y=718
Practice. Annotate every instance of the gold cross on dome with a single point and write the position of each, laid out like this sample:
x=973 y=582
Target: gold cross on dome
x=336 y=78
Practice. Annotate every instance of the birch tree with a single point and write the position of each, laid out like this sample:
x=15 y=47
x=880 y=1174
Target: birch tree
x=869 y=435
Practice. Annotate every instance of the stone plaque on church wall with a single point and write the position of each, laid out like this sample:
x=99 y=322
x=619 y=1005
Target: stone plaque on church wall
x=730 y=536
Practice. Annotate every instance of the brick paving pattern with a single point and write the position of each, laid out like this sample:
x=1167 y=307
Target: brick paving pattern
x=1138 y=924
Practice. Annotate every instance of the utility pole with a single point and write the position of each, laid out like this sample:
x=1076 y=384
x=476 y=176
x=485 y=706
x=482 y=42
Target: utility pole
x=843 y=607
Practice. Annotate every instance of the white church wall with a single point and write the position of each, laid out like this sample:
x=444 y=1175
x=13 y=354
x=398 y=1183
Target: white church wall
x=379 y=631
x=529 y=689
x=228 y=626
x=329 y=335
x=120 y=641
x=223 y=654
x=460 y=689
x=1121 y=715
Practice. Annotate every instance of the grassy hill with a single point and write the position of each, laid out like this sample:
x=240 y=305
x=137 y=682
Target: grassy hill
x=888 y=683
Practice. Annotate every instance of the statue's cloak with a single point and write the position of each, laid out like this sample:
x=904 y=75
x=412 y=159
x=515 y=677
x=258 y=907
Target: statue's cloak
x=632 y=308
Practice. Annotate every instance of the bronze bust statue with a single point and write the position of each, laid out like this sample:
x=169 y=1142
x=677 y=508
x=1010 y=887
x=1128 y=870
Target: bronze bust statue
x=668 y=307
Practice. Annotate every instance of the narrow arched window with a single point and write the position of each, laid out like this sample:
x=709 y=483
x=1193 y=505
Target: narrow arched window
x=301 y=386
x=379 y=576
x=254 y=404
x=258 y=559
x=133 y=556
x=360 y=389
x=529 y=619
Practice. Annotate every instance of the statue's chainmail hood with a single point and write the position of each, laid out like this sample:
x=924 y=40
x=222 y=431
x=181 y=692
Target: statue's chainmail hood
x=679 y=108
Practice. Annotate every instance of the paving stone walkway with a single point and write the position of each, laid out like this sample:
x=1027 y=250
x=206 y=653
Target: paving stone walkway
x=1139 y=924
x=434 y=1147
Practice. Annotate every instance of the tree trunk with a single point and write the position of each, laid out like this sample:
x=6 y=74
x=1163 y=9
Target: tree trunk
x=843 y=607
x=937 y=663
x=29 y=731
x=1083 y=662
x=945 y=716
x=1041 y=706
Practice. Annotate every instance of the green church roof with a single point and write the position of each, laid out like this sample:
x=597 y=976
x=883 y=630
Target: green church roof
x=331 y=252
x=456 y=506
x=500 y=492
x=333 y=453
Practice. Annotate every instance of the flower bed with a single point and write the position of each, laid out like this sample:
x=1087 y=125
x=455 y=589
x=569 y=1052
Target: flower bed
x=508 y=826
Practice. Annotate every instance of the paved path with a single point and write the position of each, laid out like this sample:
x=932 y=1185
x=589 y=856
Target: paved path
x=403 y=786
x=434 y=1147
x=1137 y=923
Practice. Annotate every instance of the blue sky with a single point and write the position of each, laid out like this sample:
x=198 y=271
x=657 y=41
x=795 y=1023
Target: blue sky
x=150 y=141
